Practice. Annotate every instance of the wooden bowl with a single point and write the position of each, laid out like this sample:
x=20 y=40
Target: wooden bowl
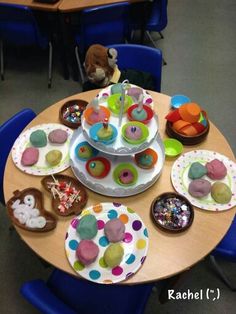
x=163 y=197
x=184 y=139
x=51 y=221
x=77 y=206
x=81 y=104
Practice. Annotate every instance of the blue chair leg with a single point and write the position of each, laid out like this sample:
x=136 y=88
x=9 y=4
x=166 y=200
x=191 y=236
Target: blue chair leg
x=153 y=43
x=221 y=273
x=1 y=61
x=50 y=66
x=79 y=65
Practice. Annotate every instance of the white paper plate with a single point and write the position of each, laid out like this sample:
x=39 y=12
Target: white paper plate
x=135 y=244
x=181 y=181
x=41 y=168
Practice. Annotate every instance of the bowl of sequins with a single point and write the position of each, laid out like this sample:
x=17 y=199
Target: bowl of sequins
x=172 y=212
x=71 y=112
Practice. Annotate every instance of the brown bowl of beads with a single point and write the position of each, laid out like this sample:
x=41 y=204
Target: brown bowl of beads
x=68 y=195
x=71 y=112
x=172 y=212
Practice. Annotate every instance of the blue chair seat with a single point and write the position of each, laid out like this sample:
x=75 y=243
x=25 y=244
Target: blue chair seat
x=66 y=294
x=9 y=131
x=226 y=249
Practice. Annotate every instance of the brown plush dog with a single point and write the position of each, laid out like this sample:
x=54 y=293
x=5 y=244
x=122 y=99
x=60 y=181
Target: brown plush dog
x=100 y=65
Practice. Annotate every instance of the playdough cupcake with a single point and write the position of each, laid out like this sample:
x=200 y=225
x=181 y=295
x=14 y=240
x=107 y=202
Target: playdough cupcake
x=98 y=167
x=146 y=159
x=141 y=113
x=135 y=132
x=125 y=174
x=38 y=138
x=93 y=116
x=85 y=151
x=105 y=133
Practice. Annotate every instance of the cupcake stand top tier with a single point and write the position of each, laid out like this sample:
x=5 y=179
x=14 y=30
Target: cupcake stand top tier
x=120 y=147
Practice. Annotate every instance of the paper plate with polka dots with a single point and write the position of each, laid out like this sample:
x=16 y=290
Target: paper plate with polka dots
x=181 y=181
x=41 y=168
x=135 y=244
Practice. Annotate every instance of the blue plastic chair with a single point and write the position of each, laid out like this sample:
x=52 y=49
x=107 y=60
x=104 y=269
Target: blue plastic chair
x=65 y=294
x=103 y=25
x=9 y=131
x=141 y=58
x=226 y=249
x=156 y=19
x=19 y=27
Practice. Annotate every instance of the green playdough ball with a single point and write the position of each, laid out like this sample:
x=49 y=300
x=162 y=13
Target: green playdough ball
x=38 y=138
x=221 y=193
x=87 y=227
x=113 y=255
x=53 y=157
x=196 y=171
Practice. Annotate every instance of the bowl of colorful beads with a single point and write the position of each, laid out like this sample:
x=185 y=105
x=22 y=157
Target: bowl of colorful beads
x=71 y=112
x=172 y=212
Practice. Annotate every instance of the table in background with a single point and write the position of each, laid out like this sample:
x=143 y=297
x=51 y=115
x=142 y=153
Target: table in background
x=168 y=253
x=35 y=5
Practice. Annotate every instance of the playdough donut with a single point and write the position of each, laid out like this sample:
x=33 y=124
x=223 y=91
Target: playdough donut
x=113 y=255
x=87 y=251
x=57 y=136
x=38 y=138
x=30 y=156
x=114 y=230
x=216 y=169
x=87 y=227
x=199 y=188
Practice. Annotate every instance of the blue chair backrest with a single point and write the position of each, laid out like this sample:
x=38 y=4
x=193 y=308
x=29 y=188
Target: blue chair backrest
x=19 y=26
x=9 y=131
x=104 y=25
x=158 y=18
x=141 y=58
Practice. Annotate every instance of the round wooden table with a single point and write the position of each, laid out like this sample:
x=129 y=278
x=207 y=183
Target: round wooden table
x=168 y=254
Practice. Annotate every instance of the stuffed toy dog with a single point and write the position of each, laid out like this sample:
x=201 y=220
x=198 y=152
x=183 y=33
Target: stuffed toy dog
x=102 y=70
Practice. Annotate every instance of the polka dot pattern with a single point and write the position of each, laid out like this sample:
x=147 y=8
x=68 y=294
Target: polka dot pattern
x=135 y=244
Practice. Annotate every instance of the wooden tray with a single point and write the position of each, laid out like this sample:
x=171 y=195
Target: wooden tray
x=76 y=207
x=50 y=218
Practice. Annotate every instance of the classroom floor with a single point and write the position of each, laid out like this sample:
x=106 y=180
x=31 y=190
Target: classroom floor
x=200 y=50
